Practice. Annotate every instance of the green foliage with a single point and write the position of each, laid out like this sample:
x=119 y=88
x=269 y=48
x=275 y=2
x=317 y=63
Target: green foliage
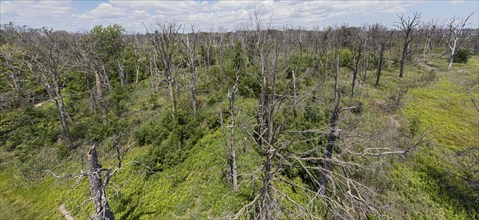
x=109 y=38
x=177 y=166
x=25 y=129
x=346 y=58
x=462 y=56
x=414 y=125
x=433 y=181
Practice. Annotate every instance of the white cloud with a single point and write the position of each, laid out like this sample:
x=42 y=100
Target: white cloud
x=204 y=14
x=455 y=2
x=36 y=13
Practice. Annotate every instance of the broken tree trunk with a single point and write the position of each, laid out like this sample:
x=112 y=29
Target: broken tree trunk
x=97 y=189
x=333 y=133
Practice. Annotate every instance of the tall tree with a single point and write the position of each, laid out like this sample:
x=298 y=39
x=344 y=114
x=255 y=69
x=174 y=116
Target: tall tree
x=190 y=42
x=165 y=41
x=231 y=143
x=110 y=47
x=408 y=27
x=382 y=37
x=429 y=30
x=49 y=60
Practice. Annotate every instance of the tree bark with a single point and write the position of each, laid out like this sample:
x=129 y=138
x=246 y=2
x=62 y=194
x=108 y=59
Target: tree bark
x=355 y=73
x=333 y=134
x=232 y=138
x=295 y=100
x=403 y=58
x=97 y=190
x=380 y=64
x=99 y=97
x=63 y=114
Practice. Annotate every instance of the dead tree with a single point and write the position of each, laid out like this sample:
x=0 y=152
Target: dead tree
x=295 y=97
x=357 y=58
x=138 y=50
x=91 y=62
x=429 y=30
x=98 y=187
x=11 y=58
x=99 y=178
x=407 y=27
x=166 y=42
x=190 y=44
x=382 y=37
x=48 y=61
x=334 y=132
x=456 y=36
x=231 y=144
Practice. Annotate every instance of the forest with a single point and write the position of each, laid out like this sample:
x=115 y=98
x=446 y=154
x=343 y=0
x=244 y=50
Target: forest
x=379 y=121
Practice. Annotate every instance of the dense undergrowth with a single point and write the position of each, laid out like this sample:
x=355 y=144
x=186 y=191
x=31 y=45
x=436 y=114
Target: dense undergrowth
x=190 y=182
x=177 y=166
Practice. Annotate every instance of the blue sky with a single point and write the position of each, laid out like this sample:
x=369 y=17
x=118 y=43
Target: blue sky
x=80 y=15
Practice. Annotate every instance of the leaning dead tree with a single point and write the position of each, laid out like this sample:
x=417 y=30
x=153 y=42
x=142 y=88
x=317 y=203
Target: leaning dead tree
x=457 y=35
x=48 y=60
x=334 y=132
x=407 y=27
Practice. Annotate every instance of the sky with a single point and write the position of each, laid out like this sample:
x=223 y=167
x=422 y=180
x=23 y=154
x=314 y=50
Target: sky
x=211 y=15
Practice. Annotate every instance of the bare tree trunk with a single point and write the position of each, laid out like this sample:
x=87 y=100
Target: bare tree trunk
x=13 y=73
x=137 y=75
x=190 y=46
x=92 y=95
x=295 y=101
x=426 y=44
x=232 y=99
x=154 y=71
x=121 y=73
x=106 y=81
x=408 y=27
x=355 y=73
x=380 y=64
x=262 y=101
x=366 y=65
x=403 y=58
x=193 y=91
x=333 y=134
x=171 y=93
x=231 y=145
x=97 y=190
x=451 y=54
x=63 y=114
x=99 y=97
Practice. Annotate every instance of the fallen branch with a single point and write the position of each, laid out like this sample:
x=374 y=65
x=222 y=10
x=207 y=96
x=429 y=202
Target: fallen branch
x=65 y=212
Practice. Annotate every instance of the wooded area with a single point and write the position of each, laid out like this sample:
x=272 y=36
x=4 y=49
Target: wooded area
x=260 y=122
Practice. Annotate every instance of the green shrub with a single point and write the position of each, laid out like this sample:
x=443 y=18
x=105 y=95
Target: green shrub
x=462 y=56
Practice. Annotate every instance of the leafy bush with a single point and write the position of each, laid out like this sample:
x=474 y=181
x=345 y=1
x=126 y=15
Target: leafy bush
x=462 y=56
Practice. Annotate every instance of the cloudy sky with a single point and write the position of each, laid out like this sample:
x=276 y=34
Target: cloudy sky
x=81 y=15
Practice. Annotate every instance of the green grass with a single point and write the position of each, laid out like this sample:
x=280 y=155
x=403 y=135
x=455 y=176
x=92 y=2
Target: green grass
x=429 y=180
x=419 y=185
